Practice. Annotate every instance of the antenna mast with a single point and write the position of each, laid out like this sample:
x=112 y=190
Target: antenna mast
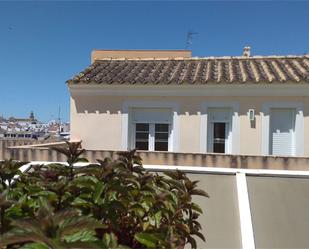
x=190 y=35
x=59 y=120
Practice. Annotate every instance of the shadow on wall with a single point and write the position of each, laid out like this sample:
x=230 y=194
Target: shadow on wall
x=189 y=106
x=97 y=105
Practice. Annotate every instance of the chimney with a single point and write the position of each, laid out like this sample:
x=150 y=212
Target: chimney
x=138 y=54
x=246 y=52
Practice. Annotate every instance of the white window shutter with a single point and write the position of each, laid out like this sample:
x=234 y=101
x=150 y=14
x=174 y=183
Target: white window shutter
x=282 y=132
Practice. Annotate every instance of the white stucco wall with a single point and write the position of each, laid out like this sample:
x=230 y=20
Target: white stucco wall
x=97 y=120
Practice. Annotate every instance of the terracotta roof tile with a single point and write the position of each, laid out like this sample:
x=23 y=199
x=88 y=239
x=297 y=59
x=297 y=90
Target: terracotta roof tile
x=259 y=69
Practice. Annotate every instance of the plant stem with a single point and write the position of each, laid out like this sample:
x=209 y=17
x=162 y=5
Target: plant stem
x=2 y=220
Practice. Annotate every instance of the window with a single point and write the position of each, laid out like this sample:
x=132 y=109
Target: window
x=152 y=137
x=142 y=136
x=282 y=127
x=213 y=114
x=151 y=129
x=161 y=137
x=219 y=137
x=219 y=134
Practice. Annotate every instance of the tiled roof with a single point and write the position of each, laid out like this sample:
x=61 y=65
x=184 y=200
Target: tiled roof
x=258 y=69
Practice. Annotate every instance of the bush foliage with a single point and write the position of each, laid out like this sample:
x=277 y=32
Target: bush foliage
x=112 y=204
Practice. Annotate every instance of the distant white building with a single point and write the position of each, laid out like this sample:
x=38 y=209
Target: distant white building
x=31 y=128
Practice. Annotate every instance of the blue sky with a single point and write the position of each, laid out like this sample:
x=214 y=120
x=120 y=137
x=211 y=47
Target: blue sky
x=42 y=44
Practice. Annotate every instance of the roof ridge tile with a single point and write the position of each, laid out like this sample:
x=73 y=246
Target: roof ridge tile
x=204 y=58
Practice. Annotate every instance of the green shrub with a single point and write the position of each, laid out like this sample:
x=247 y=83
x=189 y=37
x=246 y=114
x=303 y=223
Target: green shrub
x=112 y=204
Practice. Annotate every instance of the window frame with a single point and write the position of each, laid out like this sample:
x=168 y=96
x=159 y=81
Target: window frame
x=271 y=123
x=234 y=123
x=128 y=130
x=211 y=142
x=299 y=133
x=151 y=136
x=210 y=130
x=135 y=132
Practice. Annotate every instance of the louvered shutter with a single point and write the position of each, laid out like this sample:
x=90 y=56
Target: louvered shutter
x=152 y=115
x=282 y=132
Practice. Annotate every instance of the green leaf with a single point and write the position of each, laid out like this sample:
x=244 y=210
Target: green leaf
x=134 y=182
x=183 y=228
x=84 y=236
x=199 y=192
x=88 y=245
x=176 y=175
x=88 y=182
x=123 y=247
x=196 y=208
x=106 y=239
x=14 y=212
x=145 y=225
x=98 y=191
x=192 y=242
x=175 y=184
x=110 y=240
x=174 y=197
x=138 y=209
x=158 y=217
x=80 y=202
x=74 y=224
x=148 y=239
x=34 y=246
x=48 y=194
x=200 y=235
x=17 y=235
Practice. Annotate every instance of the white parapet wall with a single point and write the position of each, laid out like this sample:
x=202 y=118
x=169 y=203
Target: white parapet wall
x=247 y=208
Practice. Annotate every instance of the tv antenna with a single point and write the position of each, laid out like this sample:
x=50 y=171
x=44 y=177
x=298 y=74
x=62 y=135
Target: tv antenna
x=59 y=119
x=190 y=35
